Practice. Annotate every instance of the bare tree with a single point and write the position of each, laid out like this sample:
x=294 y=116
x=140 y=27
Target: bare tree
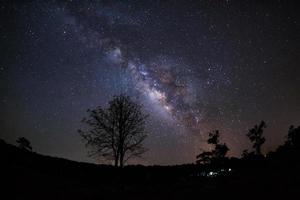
x=116 y=133
x=255 y=136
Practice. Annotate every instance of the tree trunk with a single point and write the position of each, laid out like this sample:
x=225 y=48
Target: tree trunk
x=116 y=162
x=258 y=151
x=116 y=159
x=121 y=160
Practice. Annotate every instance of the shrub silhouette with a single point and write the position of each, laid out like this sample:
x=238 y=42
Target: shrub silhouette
x=293 y=137
x=217 y=154
x=24 y=144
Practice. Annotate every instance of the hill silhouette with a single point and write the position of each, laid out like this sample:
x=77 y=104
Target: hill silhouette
x=29 y=175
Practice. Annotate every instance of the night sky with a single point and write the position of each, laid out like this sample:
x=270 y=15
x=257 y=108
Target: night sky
x=195 y=66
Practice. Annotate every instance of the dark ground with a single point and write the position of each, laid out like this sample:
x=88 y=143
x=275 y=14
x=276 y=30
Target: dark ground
x=27 y=175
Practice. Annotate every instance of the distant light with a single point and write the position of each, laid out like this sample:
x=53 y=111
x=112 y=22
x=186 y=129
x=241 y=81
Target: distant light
x=229 y=169
x=212 y=174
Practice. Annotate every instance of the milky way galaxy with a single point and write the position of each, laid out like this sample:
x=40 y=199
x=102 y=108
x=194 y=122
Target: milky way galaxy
x=195 y=66
x=157 y=78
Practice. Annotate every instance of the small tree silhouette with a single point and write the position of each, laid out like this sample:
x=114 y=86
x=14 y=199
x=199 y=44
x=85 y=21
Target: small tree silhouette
x=116 y=133
x=24 y=144
x=293 y=137
x=221 y=151
x=213 y=137
x=255 y=136
x=204 y=158
x=217 y=154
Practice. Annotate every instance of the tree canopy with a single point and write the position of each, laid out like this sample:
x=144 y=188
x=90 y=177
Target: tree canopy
x=117 y=132
x=217 y=154
x=256 y=137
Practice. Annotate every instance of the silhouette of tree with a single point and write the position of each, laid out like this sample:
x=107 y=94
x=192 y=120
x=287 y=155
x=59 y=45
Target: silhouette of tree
x=293 y=137
x=288 y=152
x=213 y=137
x=217 y=154
x=245 y=153
x=24 y=144
x=116 y=133
x=255 y=136
x=221 y=150
x=204 y=158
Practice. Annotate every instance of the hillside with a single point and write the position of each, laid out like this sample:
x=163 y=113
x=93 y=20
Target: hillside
x=29 y=175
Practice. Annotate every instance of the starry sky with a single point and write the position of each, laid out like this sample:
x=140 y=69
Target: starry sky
x=195 y=66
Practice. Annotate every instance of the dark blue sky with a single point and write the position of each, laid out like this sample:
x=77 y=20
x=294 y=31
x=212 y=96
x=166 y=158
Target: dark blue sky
x=195 y=66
